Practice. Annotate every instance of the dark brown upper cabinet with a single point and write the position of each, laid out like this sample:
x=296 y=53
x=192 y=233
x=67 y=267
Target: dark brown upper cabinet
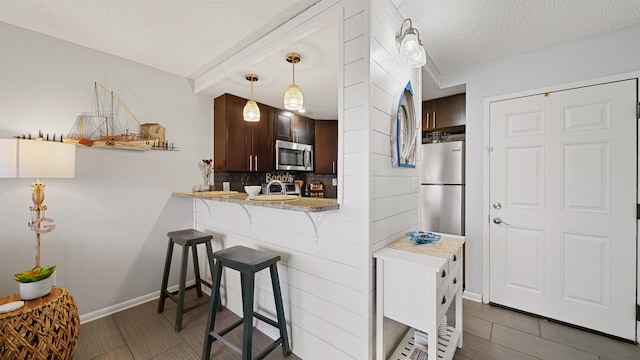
x=290 y=126
x=444 y=114
x=238 y=145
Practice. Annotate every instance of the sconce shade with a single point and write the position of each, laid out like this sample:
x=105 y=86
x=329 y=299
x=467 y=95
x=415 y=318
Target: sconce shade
x=251 y=111
x=418 y=58
x=410 y=42
x=37 y=159
x=410 y=45
x=293 y=99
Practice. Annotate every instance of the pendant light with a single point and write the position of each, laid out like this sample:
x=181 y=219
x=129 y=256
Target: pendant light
x=251 y=111
x=293 y=99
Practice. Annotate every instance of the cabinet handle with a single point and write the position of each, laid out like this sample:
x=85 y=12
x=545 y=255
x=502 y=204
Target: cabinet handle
x=444 y=300
x=333 y=167
x=444 y=273
x=455 y=281
x=250 y=163
x=434 y=120
x=428 y=121
x=455 y=258
x=255 y=159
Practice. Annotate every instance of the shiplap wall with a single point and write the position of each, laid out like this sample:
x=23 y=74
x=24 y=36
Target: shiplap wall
x=394 y=192
x=325 y=280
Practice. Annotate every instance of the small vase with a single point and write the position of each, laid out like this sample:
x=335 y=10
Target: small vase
x=36 y=289
x=208 y=184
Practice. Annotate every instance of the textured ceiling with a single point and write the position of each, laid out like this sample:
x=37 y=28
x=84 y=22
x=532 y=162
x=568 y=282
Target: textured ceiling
x=189 y=37
x=183 y=37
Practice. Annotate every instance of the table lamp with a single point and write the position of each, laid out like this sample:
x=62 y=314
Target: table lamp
x=37 y=159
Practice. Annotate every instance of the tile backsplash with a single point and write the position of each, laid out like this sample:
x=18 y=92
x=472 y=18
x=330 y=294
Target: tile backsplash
x=237 y=181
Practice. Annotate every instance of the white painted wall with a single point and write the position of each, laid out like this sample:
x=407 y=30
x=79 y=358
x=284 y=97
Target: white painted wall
x=608 y=54
x=112 y=219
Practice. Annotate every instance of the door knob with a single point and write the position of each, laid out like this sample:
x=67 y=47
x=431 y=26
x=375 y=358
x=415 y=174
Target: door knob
x=497 y=205
x=498 y=221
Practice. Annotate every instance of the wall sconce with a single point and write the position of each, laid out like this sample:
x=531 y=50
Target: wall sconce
x=410 y=45
x=251 y=111
x=293 y=99
x=21 y=158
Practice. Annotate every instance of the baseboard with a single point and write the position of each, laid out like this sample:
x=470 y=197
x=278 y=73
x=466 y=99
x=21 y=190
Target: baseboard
x=472 y=296
x=110 y=310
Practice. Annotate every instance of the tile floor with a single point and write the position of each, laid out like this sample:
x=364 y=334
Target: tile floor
x=490 y=333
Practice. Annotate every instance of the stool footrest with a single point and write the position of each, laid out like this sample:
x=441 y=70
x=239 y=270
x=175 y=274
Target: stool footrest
x=267 y=320
x=225 y=341
x=264 y=353
x=269 y=349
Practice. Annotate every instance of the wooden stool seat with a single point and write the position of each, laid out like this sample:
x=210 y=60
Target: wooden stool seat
x=188 y=238
x=248 y=262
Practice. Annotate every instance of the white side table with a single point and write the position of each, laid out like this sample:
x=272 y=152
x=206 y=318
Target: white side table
x=416 y=285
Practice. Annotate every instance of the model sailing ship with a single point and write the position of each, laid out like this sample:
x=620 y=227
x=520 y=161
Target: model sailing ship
x=100 y=128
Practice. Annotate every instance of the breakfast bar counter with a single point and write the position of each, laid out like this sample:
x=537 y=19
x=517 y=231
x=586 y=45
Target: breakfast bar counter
x=323 y=271
x=285 y=202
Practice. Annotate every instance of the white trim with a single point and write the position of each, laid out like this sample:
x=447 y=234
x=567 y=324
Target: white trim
x=110 y=310
x=485 y=185
x=472 y=296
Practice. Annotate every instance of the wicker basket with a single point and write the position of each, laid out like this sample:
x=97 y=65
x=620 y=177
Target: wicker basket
x=45 y=328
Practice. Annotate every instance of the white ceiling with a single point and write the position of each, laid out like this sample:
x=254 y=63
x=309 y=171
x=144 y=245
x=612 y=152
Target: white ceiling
x=190 y=37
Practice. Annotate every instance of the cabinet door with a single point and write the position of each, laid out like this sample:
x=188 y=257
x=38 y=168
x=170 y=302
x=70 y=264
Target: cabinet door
x=326 y=146
x=450 y=111
x=427 y=115
x=231 y=150
x=293 y=127
x=261 y=143
x=283 y=121
x=302 y=129
x=237 y=142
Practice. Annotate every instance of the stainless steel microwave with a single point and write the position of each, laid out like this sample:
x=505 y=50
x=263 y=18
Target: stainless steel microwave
x=293 y=156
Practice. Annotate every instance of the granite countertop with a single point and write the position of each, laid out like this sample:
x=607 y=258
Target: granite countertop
x=303 y=204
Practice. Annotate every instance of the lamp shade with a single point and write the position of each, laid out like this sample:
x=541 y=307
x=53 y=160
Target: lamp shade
x=46 y=159
x=8 y=158
x=410 y=42
x=293 y=99
x=417 y=58
x=251 y=111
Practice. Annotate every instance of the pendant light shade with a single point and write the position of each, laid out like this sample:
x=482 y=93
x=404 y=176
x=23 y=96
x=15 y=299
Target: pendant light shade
x=251 y=111
x=293 y=99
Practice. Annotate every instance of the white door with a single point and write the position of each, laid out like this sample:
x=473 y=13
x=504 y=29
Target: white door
x=563 y=183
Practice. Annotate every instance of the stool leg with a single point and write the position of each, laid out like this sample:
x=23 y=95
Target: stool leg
x=277 y=295
x=196 y=269
x=211 y=320
x=212 y=269
x=247 y=280
x=181 y=291
x=165 y=276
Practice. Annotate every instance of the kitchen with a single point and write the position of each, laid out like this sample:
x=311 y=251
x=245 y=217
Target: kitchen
x=376 y=204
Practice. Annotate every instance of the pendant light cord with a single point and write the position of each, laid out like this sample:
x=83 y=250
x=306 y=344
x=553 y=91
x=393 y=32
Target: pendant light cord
x=293 y=66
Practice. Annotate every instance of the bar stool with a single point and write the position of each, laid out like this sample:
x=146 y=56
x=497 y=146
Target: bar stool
x=248 y=262
x=188 y=238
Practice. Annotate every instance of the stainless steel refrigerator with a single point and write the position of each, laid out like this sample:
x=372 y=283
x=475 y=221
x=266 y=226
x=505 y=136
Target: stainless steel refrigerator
x=442 y=187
